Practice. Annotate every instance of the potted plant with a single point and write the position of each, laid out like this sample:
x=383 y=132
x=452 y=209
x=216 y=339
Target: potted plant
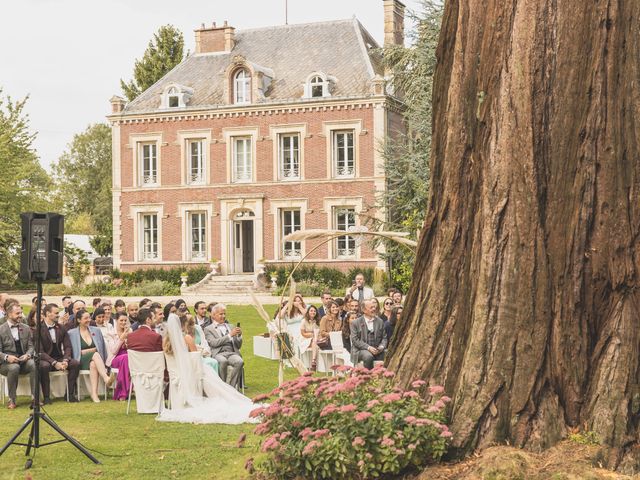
x=215 y=266
x=184 y=276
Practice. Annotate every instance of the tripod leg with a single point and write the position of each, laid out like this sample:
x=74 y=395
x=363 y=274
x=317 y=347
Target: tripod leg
x=17 y=434
x=70 y=439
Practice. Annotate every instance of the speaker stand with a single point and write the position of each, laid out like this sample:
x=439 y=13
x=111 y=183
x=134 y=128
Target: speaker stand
x=36 y=415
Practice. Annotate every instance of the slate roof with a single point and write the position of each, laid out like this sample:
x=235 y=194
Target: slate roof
x=341 y=49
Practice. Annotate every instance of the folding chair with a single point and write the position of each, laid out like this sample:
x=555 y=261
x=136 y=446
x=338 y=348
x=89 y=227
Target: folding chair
x=84 y=376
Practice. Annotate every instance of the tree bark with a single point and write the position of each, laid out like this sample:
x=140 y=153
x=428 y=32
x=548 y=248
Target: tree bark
x=524 y=302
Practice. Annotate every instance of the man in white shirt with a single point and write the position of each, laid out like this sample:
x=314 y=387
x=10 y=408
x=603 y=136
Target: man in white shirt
x=201 y=315
x=359 y=291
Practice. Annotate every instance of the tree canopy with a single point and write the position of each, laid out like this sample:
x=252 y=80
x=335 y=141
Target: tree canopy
x=25 y=186
x=164 y=52
x=83 y=178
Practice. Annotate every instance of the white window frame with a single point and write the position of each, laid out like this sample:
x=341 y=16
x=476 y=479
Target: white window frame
x=293 y=170
x=198 y=178
x=294 y=252
x=329 y=129
x=330 y=206
x=151 y=254
x=136 y=143
x=137 y=213
x=288 y=129
x=242 y=86
x=350 y=240
x=276 y=206
x=185 y=211
x=229 y=134
x=202 y=217
x=150 y=179
x=184 y=140
x=173 y=95
x=316 y=79
x=348 y=170
x=244 y=159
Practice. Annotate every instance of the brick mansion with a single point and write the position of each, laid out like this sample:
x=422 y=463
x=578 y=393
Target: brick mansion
x=259 y=133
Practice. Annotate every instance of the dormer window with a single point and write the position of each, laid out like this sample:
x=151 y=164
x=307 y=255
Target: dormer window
x=242 y=87
x=175 y=96
x=317 y=86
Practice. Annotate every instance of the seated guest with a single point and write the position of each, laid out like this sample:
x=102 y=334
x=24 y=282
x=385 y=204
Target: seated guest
x=181 y=306
x=144 y=303
x=225 y=342
x=376 y=302
x=56 y=354
x=16 y=351
x=331 y=322
x=95 y=303
x=31 y=317
x=201 y=319
x=308 y=331
x=387 y=305
x=158 y=318
x=201 y=343
x=90 y=350
x=390 y=325
x=118 y=357
x=108 y=332
x=326 y=297
x=368 y=337
x=109 y=316
x=161 y=327
x=293 y=315
x=132 y=312
x=120 y=306
x=145 y=339
x=72 y=322
x=354 y=307
x=391 y=291
x=397 y=297
x=346 y=331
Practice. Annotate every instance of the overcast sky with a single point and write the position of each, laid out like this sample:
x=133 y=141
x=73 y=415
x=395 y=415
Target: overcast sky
x=69 y=55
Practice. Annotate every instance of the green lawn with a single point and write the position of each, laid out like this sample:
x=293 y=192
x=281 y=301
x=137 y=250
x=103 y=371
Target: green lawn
x=136 y=446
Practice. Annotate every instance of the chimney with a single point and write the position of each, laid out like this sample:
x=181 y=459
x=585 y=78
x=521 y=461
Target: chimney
x=117 y=104
x=215 y=39
x=393 y=22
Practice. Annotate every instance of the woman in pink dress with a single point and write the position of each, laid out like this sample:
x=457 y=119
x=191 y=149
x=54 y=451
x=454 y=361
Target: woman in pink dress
x=118 y=357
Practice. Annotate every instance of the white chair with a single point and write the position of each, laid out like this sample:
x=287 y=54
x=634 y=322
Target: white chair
x=147 y=378
x=57 y=381
x=59 y=384
x=335 y=356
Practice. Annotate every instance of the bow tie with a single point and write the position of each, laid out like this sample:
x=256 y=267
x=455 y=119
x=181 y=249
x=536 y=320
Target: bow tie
x=14 y=326
x=51 y=328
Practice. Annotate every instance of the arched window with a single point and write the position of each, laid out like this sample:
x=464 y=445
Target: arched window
x=317 y=87
x=242 y=86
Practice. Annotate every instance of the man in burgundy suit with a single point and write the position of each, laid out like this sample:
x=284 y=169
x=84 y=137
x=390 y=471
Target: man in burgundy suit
x=145 y=339
x=56 y=353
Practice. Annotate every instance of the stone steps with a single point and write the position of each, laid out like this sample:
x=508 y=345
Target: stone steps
x=223 y=284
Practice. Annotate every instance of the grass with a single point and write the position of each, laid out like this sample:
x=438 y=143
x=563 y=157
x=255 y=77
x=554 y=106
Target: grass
x=136 y=446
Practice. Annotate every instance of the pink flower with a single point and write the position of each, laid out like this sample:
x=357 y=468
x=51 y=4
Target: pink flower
x=328 y=409
x=306 y=433
x=411 y=420
x=321 y=432
x=256 y=412
x=307 y=374
x=271 y=443
x=372 y=403
x=433 y=409
x=387 y=442
x=343 y=368
x=391 y=397
x=434 y=390
x=348 y=408
x=446 y=434
x=387 y=416
x=439 y=404
x=358 y=442
x=361 y=416
x=445 y=399
x=311 y=446
x=284 y=435
x=368 y=456
x=388 y=374
x=410 y=394
x=411 y=446
x=360 y=463
x=399 y=435
x=418 y=383
x=262 y=428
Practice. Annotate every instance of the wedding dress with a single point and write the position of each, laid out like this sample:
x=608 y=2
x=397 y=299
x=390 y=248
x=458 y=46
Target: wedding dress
x=223 y=403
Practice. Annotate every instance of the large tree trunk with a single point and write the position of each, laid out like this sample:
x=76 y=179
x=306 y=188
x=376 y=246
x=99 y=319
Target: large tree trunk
x=525 y=301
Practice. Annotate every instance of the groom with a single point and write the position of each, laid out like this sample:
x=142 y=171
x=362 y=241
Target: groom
x=225 y=342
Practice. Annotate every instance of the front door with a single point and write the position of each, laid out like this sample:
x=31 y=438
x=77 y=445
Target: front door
x=243 y=246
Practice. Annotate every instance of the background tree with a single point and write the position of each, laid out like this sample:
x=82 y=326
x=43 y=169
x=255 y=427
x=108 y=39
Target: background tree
x=24 y=185
x=164 y=52
x=525 y=295
x=406 y=155
x=83 y=179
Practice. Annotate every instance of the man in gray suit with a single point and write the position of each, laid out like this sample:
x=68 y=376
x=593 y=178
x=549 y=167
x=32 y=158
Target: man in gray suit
x=16 y=352
x=368 y=336
x=225 y=342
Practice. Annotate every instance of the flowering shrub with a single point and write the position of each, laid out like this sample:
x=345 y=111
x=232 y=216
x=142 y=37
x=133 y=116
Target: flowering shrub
x=356 y=427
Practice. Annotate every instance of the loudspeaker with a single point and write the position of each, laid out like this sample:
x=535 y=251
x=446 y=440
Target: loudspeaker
x=42 y=252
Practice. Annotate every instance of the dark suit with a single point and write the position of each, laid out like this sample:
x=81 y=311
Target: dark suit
x=8 y=347
x=144 y=340
x=362 y=339
x=58 y=352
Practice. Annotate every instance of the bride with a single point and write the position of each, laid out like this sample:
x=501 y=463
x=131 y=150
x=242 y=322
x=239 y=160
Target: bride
x=223 y=403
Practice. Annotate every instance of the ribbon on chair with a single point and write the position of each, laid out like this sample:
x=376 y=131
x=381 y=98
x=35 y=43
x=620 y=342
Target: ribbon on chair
x=148 y=381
